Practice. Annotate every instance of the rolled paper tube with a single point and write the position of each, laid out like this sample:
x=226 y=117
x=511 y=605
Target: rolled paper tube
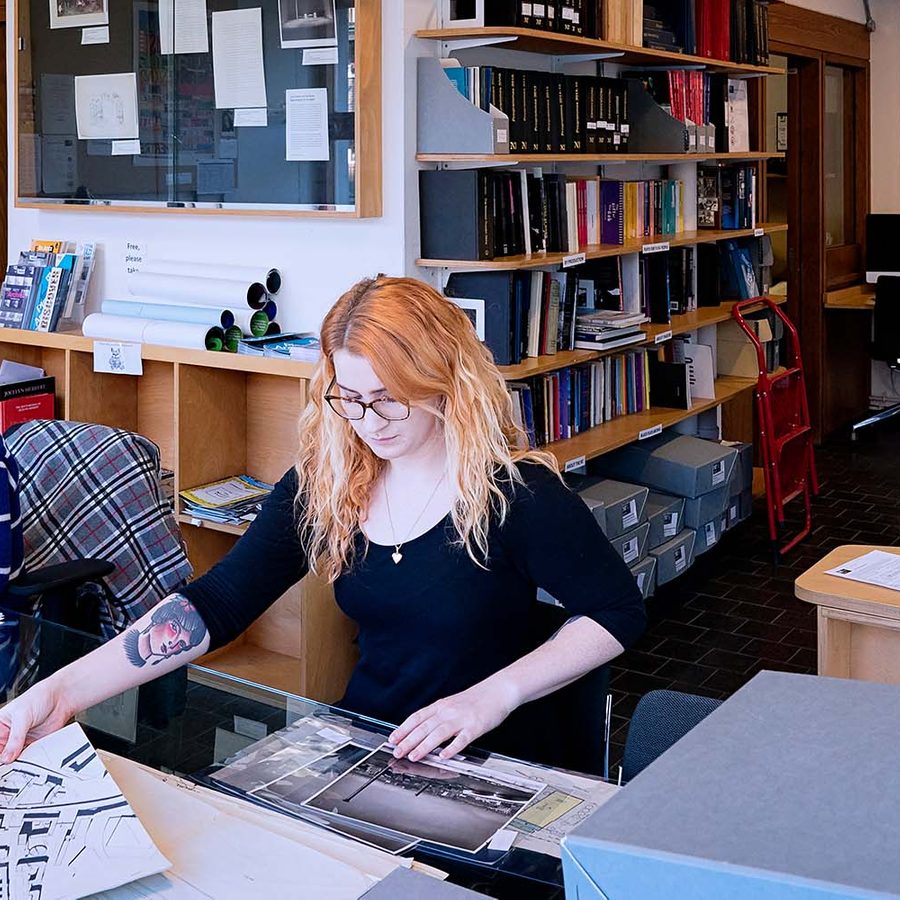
x=233 y=337
x=271 y=310
x=191 y=290
x=178 y=334
x=249 y=321
x=198 y=315
x=116 y=328
x=268 y=277
x=274 y=328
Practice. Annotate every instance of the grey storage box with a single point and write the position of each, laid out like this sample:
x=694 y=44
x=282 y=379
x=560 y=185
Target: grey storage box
x=679 y=464
x=698 y=510
x=746 y=505
x=674 y=556
x=664 y=513
x=742 y=474
x=597 y=508
x=645 y=575
x=733 y=513
x=632 y=545
x=623 y=504
x=710 y=533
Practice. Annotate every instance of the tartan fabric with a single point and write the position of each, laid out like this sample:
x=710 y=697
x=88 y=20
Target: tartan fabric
x=93 y=491
x=12 y=549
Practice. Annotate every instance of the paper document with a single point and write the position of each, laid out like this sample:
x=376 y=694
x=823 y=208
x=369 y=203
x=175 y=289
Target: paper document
x=106 y=106
x=876 y=567
x=67 y=830
x=60 y=170
x=238 y=74
x=12 y=372
x=307 y=124
x=57 y=104
x=182 y=27
x=246 y=118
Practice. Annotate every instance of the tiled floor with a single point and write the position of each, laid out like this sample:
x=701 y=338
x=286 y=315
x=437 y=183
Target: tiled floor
x=732 y=614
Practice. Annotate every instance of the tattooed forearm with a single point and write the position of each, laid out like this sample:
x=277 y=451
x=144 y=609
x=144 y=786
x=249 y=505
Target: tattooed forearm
x=175 y=626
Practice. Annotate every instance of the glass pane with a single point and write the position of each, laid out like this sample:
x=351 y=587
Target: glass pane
x=776 y=87
x=835 y=137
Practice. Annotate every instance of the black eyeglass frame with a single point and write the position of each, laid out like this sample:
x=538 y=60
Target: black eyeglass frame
x=330 y=399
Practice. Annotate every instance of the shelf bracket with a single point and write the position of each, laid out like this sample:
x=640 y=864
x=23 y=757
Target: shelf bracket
x=448 y=47
x=572 y=59
x=479 y=163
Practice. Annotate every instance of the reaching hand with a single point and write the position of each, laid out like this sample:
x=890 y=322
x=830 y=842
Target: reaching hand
x=40 y=711
x=460 y=719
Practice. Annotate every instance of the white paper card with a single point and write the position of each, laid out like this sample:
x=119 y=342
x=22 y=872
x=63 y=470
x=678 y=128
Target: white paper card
x=106 y=106
x=126 y=148
x=670 y=525
x=629 y=514
x=502 y=840
x=320 y=56
x=118 y=358
x=98 y=35
x=182 y=26
x=680 y=559
x=630 y=550
x=251 y=118
x=238 y=75
x=710 y=529
x=718 y=472
x=876 y=567
x=306 y=128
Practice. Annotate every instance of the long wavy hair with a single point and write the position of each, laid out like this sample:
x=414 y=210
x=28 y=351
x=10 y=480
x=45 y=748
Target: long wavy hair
x=421 y=346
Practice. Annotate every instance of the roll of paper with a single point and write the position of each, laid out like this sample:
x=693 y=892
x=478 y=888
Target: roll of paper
x=268 y=277
x=271 y=310
x=249 y=321
x=274 y=328
x=115 y=328
x=233 y=337
x=197 y=315
x=153 y=331
x=193 y=291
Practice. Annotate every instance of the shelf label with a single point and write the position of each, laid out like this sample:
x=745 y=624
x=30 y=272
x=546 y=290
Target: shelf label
x=662 y=337
x=759 y=232
x=576 y=259
x=658 y=247
x=118 y=358
x=573 y=464
x=650 y=432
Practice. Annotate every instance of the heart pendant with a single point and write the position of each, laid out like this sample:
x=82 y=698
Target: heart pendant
x=396 y=556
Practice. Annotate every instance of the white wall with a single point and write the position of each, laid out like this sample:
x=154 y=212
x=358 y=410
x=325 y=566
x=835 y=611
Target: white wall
x=320 y=258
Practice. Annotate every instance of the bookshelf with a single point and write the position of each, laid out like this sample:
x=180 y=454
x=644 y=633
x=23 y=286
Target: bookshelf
x=213 y=415
x=604 y=158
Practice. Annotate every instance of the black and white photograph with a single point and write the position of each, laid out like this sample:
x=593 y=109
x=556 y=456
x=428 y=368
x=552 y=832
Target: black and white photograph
x=307 y=23
x=424 y=800
x=78 y=13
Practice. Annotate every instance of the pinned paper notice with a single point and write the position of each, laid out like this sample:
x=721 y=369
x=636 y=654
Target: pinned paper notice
x=238 y=75
x=320 y=56
x=126 y=148
x=182 y=27
x=251 y=118
x=306 y=128
x=118 y=358
x=98 y=35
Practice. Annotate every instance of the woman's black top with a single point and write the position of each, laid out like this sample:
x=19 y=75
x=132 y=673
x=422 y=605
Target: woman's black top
x=436 y=623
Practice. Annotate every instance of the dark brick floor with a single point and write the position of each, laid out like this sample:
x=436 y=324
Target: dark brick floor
x=733 y=613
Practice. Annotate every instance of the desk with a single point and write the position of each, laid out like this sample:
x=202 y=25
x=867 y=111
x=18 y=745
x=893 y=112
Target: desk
x=859 y=624
x=859 y=297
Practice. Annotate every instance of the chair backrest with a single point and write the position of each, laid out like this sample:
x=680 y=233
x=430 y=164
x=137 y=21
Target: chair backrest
x=94 y=491
x=12 y=542
x=660 y=719
x=886 y=326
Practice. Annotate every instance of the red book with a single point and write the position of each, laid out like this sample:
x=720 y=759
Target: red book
x=27 y=400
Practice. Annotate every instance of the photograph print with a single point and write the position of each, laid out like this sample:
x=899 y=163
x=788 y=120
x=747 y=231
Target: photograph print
x=307 y=23
x=78 y=13
x=424 y=800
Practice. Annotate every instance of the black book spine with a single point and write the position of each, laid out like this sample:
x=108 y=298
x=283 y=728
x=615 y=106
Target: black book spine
x=507 y=84
x=590 y=115
x=559 y=126
x=486 y=225
x=536 y=111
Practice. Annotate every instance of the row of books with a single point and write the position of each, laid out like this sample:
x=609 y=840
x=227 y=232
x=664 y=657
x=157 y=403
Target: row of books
x=47 y=284
x=550 y=112
x=575 y=17
x=719 y=29
x=231 y=501
x=572 y=400
x=726 y=197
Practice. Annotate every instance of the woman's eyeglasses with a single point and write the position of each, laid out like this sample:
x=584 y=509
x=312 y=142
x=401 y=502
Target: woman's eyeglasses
x=385 y=407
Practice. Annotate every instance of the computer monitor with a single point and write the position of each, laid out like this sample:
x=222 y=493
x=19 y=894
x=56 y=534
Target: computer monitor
x=882 y=245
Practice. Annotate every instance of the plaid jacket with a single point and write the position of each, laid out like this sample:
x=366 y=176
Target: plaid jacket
x=93 y=491
x=12 y=549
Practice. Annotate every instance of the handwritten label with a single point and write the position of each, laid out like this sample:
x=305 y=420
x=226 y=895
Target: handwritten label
x=650 y=432
x=759 y=232
x=320 y=56
x=658 y=247
x=662 y=337
x=573 y=464
x=576 y=259
x=118 y=358
x=134 y=256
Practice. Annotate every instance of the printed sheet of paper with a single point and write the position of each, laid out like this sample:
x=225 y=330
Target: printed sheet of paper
x=238 y=72
x=57 y=104
x=876 y=567
x=60 y=164
x=106 y=106
x=182 y=27
x=67 y=830
x=306 y=126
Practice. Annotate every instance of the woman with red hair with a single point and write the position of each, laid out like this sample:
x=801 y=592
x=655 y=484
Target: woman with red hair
x=409 y=494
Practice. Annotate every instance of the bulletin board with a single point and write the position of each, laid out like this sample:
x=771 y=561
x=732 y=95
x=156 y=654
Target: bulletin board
x=259 y=106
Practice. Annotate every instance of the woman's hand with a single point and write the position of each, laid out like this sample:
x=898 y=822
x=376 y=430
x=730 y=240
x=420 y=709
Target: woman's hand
x=460 y=719
x=40 y=711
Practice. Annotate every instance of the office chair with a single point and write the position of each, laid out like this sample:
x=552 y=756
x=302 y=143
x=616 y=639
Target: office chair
x=660 y=719
x=885 y=345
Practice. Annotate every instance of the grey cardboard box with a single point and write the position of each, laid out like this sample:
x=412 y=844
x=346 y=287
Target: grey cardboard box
x=679 y=464
x=742 y=473
x=645 y=575
x=746 y=505
x=698 y=510
x=623 y=504
x=665 y=514
x=632 y=545
x=740 y=508
x=710 y=533
x=597 y=508
x=674 y=556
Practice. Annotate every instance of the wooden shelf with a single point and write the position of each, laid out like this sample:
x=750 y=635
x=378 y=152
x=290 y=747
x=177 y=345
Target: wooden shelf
x=256 y=664
x=535 y=41
x=187 y=519
x=706 y=315
x=524 y=158
x=625 y=429
x=860 y=296
x=596 y=251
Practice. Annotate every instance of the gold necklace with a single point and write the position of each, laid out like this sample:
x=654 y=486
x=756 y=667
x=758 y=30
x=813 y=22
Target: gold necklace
x=396 y=556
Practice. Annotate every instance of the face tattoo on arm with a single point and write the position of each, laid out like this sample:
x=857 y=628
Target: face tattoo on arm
x=174 y=627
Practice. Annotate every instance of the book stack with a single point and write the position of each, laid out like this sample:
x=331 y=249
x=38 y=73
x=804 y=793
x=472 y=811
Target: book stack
x=300 y=345
x=231 y=501
x=48 y=284
x=607 y=329
x=575 y=17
